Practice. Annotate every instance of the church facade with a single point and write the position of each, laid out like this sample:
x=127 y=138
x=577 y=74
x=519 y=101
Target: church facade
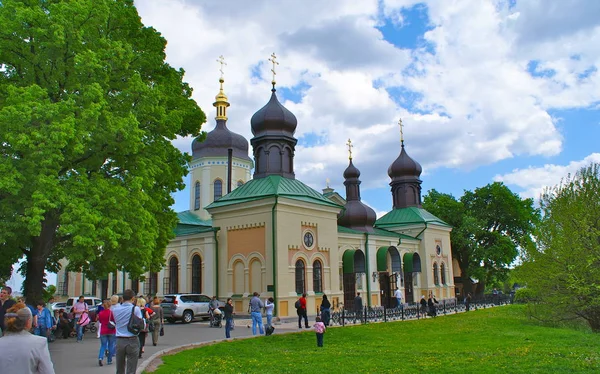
x=268 y=232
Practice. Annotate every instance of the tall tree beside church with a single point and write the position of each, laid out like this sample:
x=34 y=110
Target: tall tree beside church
x=88 y=110
x=563 y=270
x=490 y=225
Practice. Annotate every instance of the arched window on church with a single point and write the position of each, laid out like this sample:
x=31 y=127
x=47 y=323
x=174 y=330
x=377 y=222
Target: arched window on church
x=240 y=183
x=153 y=284
x=173 y=275
x=197 y=196
x=218 y=189
x=436 y=275
x=317 y=277
x=196 y=274
x=300 y=277
x=135 y=286
x=443 y=272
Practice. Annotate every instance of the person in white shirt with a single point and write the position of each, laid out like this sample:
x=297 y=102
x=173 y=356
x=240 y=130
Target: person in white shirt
x=20 y=351
x=128 y=344
x=269 y=306
x=398 y=296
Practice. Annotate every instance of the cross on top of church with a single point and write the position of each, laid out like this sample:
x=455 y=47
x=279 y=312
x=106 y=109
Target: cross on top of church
x=221 y=60
x=349 y=144
x=274 y=62
x=401 y=130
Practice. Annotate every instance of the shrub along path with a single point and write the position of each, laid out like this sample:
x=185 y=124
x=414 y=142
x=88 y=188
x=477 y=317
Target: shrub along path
x=483 y=341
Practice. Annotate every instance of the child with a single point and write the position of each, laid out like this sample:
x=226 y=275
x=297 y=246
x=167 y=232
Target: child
x=320 y=330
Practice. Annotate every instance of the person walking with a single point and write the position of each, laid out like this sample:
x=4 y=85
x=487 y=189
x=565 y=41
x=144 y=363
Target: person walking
x=78 y=309
x=358 y=304
x=107 y=334
x=5 y=303
x=269 y=307
x=302 y=311
x=319 y=330
x=432 y=305
x=325 y=310
x=21 y=352
x=398 y=296
x=228 y=311
x=423 y=303
x=256 y=305
x=141 y=303
x=157 y=318
x=468 y=301
x=128 y=344
x=44 y=321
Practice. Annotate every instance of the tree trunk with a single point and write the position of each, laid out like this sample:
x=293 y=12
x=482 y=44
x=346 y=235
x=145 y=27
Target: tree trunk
x=34 y=280
x=37 y=257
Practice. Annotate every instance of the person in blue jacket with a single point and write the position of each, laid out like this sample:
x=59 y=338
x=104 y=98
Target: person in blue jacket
x=44 y=321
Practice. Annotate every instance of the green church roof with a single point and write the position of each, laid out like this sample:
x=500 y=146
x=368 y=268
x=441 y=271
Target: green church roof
x=273 y=185
x=190 y=224
x=408 y=216
x=377 y=231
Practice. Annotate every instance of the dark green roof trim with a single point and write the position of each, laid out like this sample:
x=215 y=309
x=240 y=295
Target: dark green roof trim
x=188 y=218
x=271 y=186
x=408 y=216
x=182 y=230
x=377 y=231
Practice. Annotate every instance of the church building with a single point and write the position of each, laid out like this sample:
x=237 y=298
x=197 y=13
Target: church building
x=252 y=226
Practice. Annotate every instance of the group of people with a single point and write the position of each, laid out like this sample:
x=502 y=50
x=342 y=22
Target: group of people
x=24 y=331
x=429 y=306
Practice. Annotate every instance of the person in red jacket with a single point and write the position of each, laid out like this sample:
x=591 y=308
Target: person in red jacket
x=302 y=312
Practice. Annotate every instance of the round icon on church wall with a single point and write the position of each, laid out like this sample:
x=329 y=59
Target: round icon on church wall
x=309 y=240
x=438 y=250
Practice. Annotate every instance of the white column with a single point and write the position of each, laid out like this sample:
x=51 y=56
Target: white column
x=183 y=266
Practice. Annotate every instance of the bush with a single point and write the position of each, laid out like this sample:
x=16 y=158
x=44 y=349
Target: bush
x=524 y=295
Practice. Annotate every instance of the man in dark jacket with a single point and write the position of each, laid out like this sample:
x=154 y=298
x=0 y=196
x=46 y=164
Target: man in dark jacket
x=358 y=305
x=5 y=303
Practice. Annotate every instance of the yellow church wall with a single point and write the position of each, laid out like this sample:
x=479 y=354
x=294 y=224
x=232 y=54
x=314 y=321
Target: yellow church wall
x=245 y=240
x=433 y=236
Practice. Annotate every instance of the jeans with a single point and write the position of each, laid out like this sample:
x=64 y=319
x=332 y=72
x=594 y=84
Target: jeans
x=79 y=330
x=320 y=340
x=269 y=319
x=257 y=320
x=41 y=331
x=228 y=325
x=128 y=350
x=107 y=343
x=302 y=314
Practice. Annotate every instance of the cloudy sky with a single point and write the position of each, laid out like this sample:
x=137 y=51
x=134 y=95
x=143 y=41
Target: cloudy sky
x=487 y=90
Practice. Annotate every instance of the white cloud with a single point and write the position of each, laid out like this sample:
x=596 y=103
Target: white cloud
x=535 y=179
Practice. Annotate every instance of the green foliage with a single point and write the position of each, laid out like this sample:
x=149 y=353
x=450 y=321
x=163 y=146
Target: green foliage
x=524 y=295
x=564 y=268
x=490 y=224
x=88 y=110
x=484 y=341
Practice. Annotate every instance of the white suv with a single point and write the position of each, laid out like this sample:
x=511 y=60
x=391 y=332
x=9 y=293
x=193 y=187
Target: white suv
x=92 y=303
x=186 y=307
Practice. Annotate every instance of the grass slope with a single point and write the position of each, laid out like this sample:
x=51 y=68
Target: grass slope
x=483 y=341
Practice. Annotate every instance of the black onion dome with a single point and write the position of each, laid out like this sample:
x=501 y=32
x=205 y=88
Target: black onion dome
x=273 y=118
x=218 y=141
x=358 y=216
x=404 y=166
x=351 y=171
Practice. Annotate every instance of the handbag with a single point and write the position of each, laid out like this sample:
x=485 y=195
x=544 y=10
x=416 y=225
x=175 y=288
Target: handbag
x=135 y=324
x=162 y=331
x=111 y=322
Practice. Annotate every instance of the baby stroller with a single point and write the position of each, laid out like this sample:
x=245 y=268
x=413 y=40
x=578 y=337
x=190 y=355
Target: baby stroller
x=216 y=317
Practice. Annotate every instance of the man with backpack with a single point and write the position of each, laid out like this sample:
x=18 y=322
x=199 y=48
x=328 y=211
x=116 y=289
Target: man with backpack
x=128 y=344
x=301 y=311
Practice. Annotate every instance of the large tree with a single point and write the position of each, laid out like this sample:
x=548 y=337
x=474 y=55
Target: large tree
x=563 y=270
x=490 y=225
x=88 y=110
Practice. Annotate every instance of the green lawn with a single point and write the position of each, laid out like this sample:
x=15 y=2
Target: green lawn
x=484 y=341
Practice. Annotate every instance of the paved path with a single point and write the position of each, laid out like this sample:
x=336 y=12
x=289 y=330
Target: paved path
x=70 y=357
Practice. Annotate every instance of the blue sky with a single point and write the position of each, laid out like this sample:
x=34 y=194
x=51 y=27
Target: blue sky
x=488 y=90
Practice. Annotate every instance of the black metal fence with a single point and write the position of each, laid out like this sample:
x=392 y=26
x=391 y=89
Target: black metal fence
x=410 y=311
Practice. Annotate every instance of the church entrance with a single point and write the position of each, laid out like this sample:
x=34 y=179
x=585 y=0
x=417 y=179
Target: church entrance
x=353 y=264
x=412 y=265
x=388 y=267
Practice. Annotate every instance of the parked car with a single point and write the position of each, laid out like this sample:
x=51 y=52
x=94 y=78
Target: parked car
x=92 y=303
x=58 y=306
x=186 y=307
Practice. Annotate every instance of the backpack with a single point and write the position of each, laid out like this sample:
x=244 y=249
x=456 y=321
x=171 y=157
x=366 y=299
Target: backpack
x=298 y=305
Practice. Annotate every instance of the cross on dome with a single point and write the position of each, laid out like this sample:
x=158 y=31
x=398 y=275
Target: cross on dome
x=350 y=146
x=221 y=60
x=274 y=62
x=401 y=131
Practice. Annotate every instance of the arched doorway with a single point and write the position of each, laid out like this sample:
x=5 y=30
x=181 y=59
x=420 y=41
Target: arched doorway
x=388 y=268
x=353 y=263
x=412 y=264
